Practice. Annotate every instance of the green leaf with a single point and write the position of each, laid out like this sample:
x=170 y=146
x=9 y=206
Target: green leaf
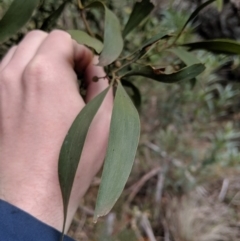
x=223 y=46
x=219 y=5
x=122 y=147
x=135 y=95
x=113 y=41
x=83 y=38
x=155 y=39
x=72 y=148
x=186 y=73
x=194 y=15
x=51 y=20
x=18 y=14
x=147 y=46
x=140 y=11
x=197 y=11
x=188 y=58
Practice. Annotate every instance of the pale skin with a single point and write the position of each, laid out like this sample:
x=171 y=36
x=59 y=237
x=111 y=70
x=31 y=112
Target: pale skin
x=39 y=99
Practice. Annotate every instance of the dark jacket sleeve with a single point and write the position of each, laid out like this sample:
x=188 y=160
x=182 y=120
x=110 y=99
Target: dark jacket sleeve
x=17 y=225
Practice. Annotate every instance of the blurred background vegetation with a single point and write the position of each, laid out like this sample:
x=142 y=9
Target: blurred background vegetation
x=185 y=183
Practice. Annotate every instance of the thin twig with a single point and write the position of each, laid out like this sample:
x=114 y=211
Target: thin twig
x=139 y=184
x=164 y=154
x=80 y=5
x=166 y=230
x=156 y=148
x=86 y=210
x=158 y=194
x=159 y=188
x=232 y=200
x=110 y=224
x=80 y=226
x=147 y=228
x=136 y=230
x=224 y=190
x=83 y=16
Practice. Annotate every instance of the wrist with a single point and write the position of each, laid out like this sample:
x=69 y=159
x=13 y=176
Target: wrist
x=42 y=201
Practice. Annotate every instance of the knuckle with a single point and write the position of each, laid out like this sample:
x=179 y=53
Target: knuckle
x=35 y=68
x=7 y=80
x=36 y=71
x=7 y=75
x=60 y=34
x=34 y=33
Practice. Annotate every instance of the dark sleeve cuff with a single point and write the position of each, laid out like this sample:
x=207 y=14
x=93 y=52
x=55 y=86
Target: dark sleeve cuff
x=17 y=225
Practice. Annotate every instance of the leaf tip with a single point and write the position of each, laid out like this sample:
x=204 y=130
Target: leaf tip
x=95 y=219
x=98 y=215
x=102 y=211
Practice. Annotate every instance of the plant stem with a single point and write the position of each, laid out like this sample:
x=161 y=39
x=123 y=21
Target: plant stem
x=80 y=5
x=83 y=16
x=123 y=66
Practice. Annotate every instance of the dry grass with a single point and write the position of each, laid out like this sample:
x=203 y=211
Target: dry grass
x=197 y=218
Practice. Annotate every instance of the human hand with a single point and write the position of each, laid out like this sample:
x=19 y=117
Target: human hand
x=39 y=100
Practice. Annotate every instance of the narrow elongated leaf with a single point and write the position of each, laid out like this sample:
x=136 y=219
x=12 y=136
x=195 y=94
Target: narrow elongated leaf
x=113 y=41
x=224 y=46
x=51 y=20
x=220 y=5
x=188 y=58
x=197 y=11
x=123 y=142
x=194 y=15
x=18 y=14
x=186 y=73
x=83 y=38
x=147 y=45
x=140 y=11
x=72 y=147
x=154 y=39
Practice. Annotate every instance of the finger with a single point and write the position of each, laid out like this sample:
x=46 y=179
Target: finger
x=65 y=55
x=65 y=50
x=7 y=57
x=95 y=87
x=26 y=50
x=82 y=57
